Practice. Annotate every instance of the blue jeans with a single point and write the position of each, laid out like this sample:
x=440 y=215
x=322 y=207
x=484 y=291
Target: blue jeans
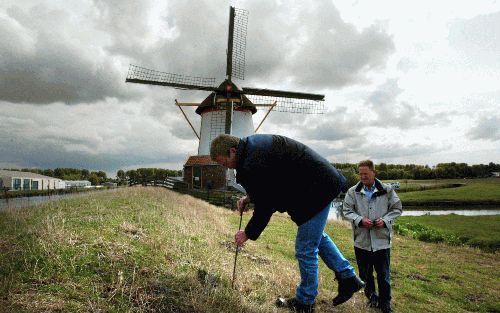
x=312 y=240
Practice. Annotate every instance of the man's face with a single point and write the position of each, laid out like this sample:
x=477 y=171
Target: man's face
x=366 y=175
x=227 y=161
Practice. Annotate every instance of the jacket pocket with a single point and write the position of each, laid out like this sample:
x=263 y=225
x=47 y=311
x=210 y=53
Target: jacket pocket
x=383 y=234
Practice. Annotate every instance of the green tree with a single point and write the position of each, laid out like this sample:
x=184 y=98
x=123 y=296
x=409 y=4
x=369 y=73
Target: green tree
x=121 y=174
x=94 y=179
x=351 y=176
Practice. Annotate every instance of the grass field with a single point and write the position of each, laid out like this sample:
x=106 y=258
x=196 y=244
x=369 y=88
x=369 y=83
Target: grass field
x=475 y=191
x=152 y=250
x=476 y=231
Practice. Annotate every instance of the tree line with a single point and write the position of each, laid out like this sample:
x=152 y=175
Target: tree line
x=350 y=170
x=413 y=171
x=138 y=176
x=145 y=175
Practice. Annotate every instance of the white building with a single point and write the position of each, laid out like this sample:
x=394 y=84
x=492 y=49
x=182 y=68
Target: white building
x=15 y=180
x=77 y=183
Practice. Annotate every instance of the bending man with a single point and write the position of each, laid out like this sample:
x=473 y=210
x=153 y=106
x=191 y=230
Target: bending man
x=281 y=174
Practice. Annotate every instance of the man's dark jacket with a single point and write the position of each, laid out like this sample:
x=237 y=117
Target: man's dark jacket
x=281 y=174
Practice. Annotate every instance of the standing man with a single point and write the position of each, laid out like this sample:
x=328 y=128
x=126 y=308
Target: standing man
x=281 y=174
x=372 y=207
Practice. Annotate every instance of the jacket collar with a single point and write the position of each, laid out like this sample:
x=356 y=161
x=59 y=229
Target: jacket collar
x=241 y=153
x=380 y=190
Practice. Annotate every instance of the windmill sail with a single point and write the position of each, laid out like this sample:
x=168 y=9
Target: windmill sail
x=141 y=75
x=236 y=43
x=289 y=105
x=283 y=94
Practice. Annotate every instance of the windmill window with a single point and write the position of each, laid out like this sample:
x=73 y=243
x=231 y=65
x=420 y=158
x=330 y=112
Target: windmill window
x=217 y=123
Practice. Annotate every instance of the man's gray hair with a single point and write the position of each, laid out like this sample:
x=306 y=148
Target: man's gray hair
x=221 y=144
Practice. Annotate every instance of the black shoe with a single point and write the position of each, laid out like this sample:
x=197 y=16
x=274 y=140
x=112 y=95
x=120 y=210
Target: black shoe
x=294 y=305
x=373 y=301
x=386 y=308
x=347 y=287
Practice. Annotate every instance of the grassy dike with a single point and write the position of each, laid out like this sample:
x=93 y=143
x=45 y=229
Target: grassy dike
x=152 y=250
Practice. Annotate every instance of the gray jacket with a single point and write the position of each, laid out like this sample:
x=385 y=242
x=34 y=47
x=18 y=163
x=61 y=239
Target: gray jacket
x=384 y=204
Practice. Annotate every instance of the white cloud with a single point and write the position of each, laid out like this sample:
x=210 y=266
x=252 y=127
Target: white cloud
x=487 y=127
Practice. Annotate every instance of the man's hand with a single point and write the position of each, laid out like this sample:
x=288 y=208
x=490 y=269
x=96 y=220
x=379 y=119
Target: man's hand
x=243 y=203
x=366 y=222
x=379 y=223
x=240 y=238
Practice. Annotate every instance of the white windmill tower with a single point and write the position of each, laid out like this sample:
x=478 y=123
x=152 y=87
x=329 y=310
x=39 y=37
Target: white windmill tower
x=228 y=109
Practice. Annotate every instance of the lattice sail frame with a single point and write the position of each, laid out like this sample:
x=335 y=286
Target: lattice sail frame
x=289 y=105
x=140 y=73
x=239 y=43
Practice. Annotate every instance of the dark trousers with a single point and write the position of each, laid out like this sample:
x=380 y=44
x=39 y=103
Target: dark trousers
x=380 y=261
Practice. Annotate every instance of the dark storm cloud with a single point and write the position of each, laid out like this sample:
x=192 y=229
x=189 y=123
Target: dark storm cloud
x=334 y=53
x=187 y=37
x=486 y=128
x=55 y=54
x=42 y=61
x=307 y=44
x=30 y=153
x=35 y=137
x=293 y=43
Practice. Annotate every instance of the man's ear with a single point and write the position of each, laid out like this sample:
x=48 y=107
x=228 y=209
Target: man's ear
x=232 y=150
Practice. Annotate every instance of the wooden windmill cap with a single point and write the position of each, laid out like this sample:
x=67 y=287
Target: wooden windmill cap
x=226 y=92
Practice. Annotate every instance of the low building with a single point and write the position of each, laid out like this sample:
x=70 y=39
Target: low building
x=394 y=184
x=200 y=172
x=16 y=180
x=77 y=183
x=495 y=174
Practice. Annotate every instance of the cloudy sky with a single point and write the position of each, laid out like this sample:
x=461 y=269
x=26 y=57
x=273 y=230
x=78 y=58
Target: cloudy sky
x=405 y=81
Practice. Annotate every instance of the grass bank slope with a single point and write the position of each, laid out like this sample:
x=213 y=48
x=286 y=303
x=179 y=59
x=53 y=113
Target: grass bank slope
x=152 y=250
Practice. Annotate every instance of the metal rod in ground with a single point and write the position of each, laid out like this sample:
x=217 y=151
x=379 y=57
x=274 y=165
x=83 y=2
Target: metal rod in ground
x=236 y=255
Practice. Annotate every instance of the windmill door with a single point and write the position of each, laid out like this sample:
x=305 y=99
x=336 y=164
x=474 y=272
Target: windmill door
x=197 y=177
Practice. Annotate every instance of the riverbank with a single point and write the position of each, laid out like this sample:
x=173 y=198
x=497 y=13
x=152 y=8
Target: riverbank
x=473 y=193
x=153 y=250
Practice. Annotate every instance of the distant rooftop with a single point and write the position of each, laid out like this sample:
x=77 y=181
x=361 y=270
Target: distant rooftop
x=200 y=160
x=20 y=174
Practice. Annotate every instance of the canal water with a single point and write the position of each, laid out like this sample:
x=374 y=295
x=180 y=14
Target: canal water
x=22 y=202
x=335 y=213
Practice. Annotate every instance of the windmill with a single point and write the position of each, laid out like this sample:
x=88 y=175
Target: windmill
x=228 y=109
